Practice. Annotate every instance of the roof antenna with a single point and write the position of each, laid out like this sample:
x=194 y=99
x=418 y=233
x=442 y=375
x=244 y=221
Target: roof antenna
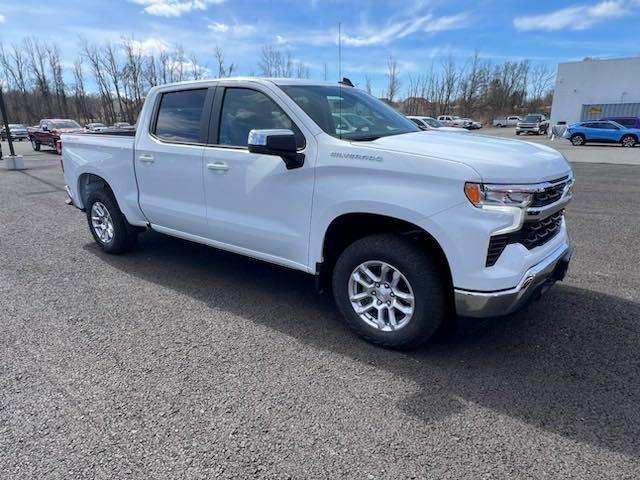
x=340 y=71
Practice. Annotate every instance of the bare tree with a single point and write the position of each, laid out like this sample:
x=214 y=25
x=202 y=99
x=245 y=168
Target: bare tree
x=223 y=70
x=393 y=78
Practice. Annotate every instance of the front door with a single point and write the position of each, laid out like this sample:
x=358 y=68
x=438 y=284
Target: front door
x=255 y=205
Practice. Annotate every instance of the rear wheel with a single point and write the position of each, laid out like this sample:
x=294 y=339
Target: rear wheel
x=628 y=141
x=389 y=291
x=108 y=225
x=578 y=139
x=35 y=145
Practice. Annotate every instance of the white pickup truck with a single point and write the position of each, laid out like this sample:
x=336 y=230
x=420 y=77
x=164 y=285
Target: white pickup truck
x=407 y=227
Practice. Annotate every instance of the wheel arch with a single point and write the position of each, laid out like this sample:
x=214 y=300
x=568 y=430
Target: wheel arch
x=90 y=182
x=346 y=228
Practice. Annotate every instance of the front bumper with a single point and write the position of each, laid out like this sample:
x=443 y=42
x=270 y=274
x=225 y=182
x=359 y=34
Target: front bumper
x=534 y=282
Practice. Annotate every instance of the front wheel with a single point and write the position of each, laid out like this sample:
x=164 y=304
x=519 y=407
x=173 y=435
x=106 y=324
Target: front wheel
x=108 y=225
x=389 y=291
x=628 y=141
x=58 y=148
x=35 y=145
x=578 y=140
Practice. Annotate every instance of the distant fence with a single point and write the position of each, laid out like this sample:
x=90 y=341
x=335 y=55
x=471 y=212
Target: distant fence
x=599 y=110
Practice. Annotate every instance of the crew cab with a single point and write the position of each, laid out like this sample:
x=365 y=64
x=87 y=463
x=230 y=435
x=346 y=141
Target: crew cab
x=405 y=227
x=48 y=132
x=533 y=123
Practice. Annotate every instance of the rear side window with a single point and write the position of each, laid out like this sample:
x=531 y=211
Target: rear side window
x=179 y=116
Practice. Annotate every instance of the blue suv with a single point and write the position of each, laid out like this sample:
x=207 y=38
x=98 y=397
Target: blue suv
x=602 y=131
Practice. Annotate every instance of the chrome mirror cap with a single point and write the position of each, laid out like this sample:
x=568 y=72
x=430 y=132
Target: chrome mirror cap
x=259 y=137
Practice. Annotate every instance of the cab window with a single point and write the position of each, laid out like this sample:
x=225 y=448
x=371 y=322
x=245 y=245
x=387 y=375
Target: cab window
x=179 y=116
x=244 y=110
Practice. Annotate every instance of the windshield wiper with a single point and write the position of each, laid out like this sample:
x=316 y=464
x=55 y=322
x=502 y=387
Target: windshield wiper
x=364 y=139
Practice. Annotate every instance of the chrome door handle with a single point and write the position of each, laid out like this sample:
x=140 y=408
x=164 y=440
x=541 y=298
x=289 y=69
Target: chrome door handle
x=218 y=166
x=146 y=158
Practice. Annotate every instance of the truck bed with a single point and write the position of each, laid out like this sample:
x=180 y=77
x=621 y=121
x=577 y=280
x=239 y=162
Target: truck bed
x=108 y=156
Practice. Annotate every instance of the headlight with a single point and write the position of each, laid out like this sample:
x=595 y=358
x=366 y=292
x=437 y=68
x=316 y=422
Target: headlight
x=481 y=195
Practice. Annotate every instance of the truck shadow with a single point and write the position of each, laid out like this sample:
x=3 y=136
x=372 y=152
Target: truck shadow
x=569 y=364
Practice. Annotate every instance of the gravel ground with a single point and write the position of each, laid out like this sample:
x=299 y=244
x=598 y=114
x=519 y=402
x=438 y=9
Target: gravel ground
x=180 y=361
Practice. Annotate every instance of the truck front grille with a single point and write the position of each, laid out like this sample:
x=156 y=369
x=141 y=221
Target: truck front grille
x=539 y=232
x=531 y=235
x=550 y=194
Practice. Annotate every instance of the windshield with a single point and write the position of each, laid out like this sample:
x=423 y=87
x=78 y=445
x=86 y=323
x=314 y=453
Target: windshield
x=533 y=118
x=434 y=123
x=16 y=126
x=65 y=124
x=349 y=113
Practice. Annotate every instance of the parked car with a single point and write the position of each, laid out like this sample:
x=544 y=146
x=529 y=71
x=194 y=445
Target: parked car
x=95 y=127
x=533 y=123
x=121 y=125
x=629 y=122
x=430 y=123
x=18 y=132
x=472 y=124
x=509 y=121
x=49 y=130
x=405 y=227
x=454 y=121
x=602 y=132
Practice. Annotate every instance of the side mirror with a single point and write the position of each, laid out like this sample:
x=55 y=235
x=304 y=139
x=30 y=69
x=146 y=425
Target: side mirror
x=281 y=143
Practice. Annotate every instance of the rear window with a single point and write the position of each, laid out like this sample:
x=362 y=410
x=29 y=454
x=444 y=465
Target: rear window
x=179 y=116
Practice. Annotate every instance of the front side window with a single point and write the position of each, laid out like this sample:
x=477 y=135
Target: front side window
x=348 y=113
x=179 y=116
x=244 y=110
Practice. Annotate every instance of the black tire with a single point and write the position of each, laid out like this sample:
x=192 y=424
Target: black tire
x=628 y=141
x=517 y=133
x=58 y=150
x=429 y=287
x=124 y=235
x=577 y=139
x=35 y=145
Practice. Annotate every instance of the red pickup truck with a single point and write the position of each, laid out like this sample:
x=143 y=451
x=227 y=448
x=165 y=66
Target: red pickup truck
x=49 y=130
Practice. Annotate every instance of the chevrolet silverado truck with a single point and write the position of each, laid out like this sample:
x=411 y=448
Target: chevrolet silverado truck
x=48 y=132
x=533 y=123
x=406 y=227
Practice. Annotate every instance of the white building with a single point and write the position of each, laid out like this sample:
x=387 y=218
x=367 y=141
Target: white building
x=592 y=89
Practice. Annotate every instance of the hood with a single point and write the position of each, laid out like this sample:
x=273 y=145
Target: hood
x=498 y=160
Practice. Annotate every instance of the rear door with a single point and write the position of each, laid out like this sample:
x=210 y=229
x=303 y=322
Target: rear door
x=255 y=205
x=168 y=161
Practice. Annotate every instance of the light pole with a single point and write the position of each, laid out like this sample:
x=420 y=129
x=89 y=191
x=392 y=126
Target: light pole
x=13 y=161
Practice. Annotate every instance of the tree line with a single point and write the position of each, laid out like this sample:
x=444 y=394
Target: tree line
x=108 y=82
x=474 y=88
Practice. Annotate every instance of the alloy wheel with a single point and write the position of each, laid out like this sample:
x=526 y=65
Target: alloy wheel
x=102 y=222
x=381 y=295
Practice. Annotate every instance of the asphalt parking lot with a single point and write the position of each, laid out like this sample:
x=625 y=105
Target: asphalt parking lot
x=181 y=361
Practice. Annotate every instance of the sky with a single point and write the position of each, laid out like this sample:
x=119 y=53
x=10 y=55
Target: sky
x=417 y=33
